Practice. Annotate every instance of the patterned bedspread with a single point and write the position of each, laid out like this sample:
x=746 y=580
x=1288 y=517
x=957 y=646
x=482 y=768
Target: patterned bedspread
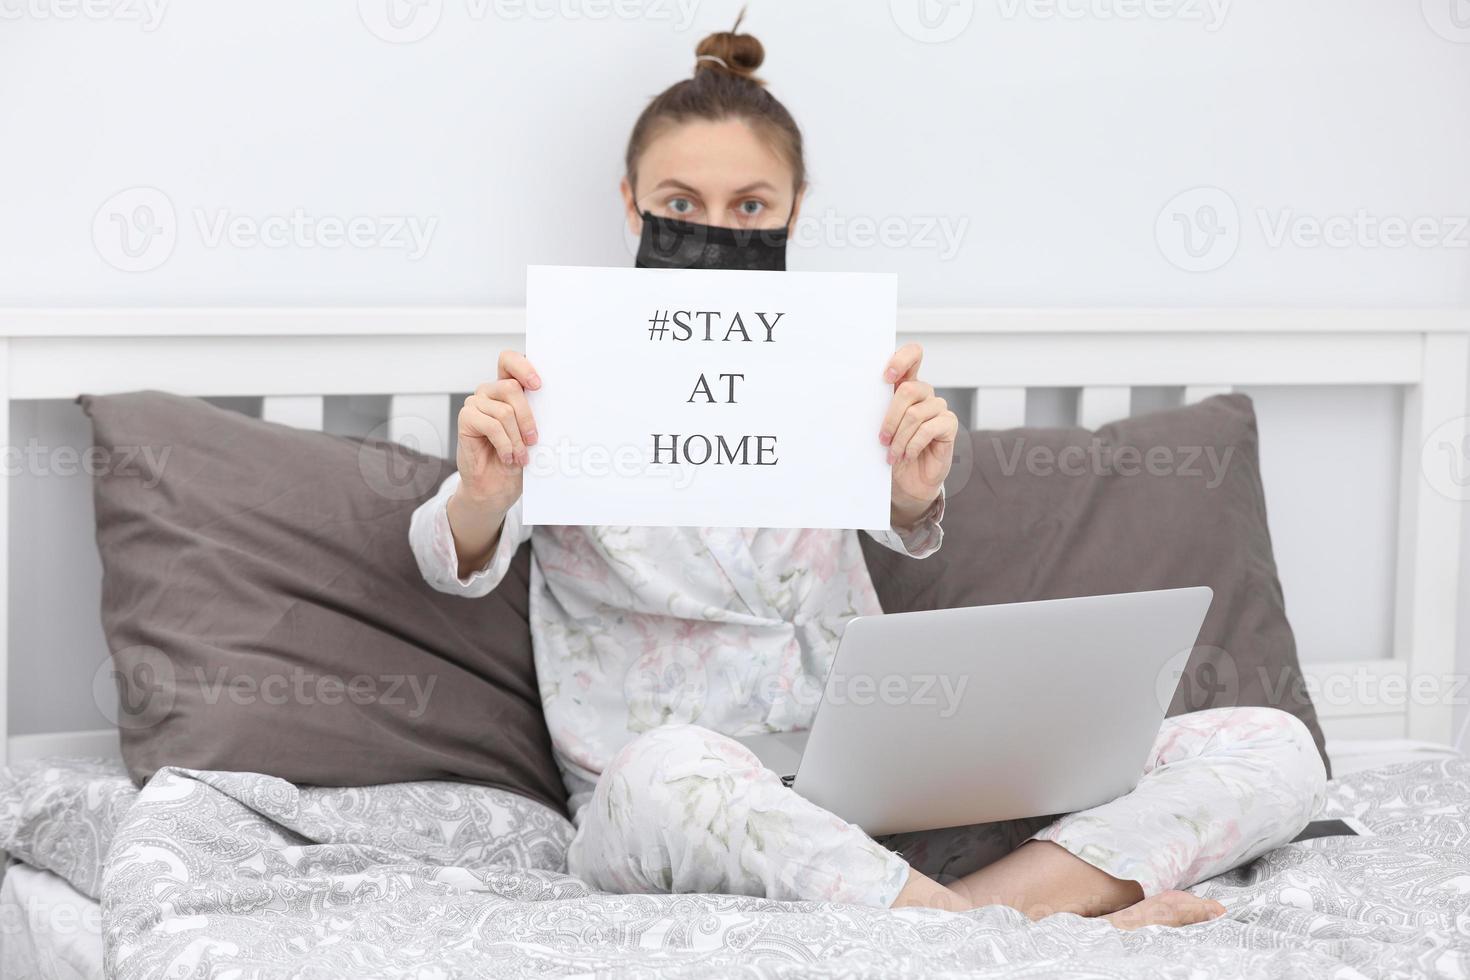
x=238 y=875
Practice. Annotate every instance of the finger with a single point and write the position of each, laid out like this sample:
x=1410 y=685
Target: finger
x=475 y=424
x=906 y=394
x=513 y=364
x=513 y=395
x=502 y=412
x=917 y=415
x=509 y=390
x=904 y=364
x=935 y=432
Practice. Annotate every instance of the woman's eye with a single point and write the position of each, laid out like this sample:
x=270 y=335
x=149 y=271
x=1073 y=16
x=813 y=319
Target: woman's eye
x=681 y=205
x=752 y=208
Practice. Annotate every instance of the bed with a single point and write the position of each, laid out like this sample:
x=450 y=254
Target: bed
x=211 y=873
x=215 y=874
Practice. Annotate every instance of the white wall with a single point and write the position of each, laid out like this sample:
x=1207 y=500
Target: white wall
x=1050 y=152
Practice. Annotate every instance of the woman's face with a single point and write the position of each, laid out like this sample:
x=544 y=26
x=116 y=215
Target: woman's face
x=712 y=173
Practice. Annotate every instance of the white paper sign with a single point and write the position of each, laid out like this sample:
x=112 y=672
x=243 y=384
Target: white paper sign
x=709 y=398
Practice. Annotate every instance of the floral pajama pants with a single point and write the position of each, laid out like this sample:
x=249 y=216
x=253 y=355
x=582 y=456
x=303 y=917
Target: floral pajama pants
x=683 y=809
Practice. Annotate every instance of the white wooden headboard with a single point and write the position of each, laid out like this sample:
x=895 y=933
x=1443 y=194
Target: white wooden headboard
x=294 y=358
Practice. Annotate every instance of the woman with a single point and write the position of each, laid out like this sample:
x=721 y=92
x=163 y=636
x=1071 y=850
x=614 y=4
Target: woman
x=654 y=645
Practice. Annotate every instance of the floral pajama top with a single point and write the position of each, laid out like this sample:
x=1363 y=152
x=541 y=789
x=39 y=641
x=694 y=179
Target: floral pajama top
x=731 y=629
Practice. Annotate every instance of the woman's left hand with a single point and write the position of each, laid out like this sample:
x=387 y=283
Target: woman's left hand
x=919 y=431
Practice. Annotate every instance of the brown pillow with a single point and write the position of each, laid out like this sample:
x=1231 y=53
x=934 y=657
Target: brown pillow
x=1165 y=500
x=265 y=613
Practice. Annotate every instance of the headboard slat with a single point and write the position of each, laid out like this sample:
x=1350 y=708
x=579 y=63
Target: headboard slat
x=421 y=422
x=1100 y=404
x=999 y=408
x=1427 y=592
x=1198 y=393
x=299 y=411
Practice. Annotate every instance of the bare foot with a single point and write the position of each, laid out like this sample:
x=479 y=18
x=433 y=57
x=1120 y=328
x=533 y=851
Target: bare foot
x=1167 y=909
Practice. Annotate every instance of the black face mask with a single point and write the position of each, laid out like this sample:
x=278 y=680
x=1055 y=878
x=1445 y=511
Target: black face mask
x=668 y=243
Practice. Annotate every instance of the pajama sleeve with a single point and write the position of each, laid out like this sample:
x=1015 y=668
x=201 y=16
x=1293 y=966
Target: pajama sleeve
x=920 y=540
x=433 y=546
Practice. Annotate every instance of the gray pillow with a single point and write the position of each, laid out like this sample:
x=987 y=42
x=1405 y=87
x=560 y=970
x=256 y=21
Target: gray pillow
x=1164 y=500
x=265 y=613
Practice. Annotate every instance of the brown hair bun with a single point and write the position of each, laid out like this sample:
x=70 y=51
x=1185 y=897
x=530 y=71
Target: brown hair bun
x=723 y=87
x=729 y=53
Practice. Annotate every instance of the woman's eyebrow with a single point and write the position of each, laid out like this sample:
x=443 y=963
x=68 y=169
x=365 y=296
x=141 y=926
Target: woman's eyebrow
x=677 y=184
x=680 y=185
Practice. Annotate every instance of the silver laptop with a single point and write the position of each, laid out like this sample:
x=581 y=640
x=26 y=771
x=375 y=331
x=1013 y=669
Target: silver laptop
x=962 y=716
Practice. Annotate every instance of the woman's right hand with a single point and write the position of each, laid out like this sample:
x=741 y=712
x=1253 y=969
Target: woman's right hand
x=496 y=429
